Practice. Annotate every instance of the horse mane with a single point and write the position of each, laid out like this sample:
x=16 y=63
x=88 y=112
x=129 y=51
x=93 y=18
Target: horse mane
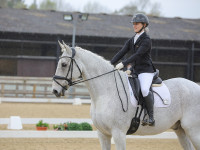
x=100 y=60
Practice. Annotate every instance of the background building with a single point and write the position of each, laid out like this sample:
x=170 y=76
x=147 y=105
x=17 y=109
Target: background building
x=28 y=41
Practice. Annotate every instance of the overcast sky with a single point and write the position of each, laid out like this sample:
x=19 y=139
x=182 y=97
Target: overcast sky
x=169 y=8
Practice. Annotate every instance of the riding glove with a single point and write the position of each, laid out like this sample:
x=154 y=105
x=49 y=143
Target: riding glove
x=128 y=72
x=119 y=66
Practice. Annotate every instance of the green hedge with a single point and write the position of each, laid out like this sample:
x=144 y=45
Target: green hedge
x=86 y=126
x=72 y=126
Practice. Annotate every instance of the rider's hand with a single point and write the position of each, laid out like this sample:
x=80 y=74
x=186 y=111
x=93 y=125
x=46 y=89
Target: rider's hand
x=128 y=72
x=119 y=66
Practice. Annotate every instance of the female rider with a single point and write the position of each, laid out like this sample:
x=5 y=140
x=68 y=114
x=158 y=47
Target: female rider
x=140 y=60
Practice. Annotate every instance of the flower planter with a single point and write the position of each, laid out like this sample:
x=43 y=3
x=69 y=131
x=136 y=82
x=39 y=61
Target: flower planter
x=41 y=128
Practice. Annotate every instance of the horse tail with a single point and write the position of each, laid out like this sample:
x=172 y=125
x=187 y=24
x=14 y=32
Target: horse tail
x=182 y=137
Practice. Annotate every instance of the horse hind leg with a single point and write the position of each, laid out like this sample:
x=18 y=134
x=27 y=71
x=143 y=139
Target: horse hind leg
x=182 y=137
x=194 y=134
x=190 y=122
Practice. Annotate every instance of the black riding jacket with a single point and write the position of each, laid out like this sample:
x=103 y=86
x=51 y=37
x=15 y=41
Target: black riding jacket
x=141 y=54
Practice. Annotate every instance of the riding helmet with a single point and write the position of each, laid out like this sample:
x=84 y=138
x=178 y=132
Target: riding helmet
x=140 y=18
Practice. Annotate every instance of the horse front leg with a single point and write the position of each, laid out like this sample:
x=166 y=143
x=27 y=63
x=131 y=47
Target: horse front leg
x=105 y=141
x=120 y=139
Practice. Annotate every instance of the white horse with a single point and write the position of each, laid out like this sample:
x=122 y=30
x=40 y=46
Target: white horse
x=183 y=115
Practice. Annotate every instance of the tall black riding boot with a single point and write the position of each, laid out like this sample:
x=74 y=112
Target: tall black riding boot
x=149 y=102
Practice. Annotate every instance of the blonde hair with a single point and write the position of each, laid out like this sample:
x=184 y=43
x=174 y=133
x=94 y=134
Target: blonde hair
x=146 y=30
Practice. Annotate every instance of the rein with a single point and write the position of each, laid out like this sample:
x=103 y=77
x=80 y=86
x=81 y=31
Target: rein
x=80 y=80
x=119 y=94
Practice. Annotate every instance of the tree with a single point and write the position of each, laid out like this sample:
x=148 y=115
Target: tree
x=63 y=6
x=95 y=7
x=128 y=9
x=19 y=4
x=143 y=5
x=33 y=5
x=3 y=3
x=140 y=6
x=48 y=5
x=155 y=10
x=59 y=5
x=12 y=4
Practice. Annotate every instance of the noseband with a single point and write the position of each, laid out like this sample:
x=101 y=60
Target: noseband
x=69 y=72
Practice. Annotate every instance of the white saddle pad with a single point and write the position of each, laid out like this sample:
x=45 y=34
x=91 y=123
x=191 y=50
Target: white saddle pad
x=163 y=92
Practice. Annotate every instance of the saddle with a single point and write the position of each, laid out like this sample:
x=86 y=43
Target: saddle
x=135 y=84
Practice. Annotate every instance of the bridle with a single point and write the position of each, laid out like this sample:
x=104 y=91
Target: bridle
x=69 y=72
x=80 y=79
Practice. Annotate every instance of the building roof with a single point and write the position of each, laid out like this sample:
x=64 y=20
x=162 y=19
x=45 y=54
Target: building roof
x=100 y=25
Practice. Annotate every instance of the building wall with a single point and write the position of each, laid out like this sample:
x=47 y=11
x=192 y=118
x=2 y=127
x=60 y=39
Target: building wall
x=41 y=67
x=172 y=57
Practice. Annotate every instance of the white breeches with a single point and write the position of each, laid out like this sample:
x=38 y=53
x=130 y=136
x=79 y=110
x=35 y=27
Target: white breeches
x=145 y=82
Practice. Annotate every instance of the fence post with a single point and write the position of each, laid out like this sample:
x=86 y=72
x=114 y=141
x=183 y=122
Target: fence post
x=45 y=91
x=2 y=90
x=17 y=89
x=34 y=90
x=24 y=88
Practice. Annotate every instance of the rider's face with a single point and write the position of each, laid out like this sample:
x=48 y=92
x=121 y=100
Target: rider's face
x=137 y=26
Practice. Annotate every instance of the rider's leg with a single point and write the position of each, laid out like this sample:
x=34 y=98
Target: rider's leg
x=145 y=83
x=149 y=102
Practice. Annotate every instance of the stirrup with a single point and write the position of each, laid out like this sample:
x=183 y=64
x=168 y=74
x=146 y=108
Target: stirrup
x=152 y=123
x=144 y=122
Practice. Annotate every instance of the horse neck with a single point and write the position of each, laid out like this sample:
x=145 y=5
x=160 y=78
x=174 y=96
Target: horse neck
x=94 y=65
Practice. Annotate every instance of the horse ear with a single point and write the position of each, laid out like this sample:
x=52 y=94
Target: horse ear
x=61 y=46
x=68 y=49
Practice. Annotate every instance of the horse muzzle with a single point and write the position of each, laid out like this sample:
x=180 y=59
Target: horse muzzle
x=56 y=93
x=59 y=94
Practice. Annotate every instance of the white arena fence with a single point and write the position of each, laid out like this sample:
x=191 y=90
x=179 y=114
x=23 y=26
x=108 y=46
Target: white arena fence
x=76 y=101
x=38 y=90
x=37 y=87
x=64 y=134
x=74 y=134
x=48 y=120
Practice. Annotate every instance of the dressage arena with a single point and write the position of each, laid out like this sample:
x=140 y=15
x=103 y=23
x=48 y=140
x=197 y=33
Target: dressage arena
x=48 y=110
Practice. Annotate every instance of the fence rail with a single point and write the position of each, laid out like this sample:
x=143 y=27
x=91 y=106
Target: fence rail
x=48 y=120
x=75 y=134
x=32 y=87
x=37 y=87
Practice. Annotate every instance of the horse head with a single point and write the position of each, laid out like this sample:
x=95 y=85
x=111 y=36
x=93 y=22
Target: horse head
x=69 y=70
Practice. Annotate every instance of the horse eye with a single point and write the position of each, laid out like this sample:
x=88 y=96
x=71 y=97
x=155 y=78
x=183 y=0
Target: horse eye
x=64 y=64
